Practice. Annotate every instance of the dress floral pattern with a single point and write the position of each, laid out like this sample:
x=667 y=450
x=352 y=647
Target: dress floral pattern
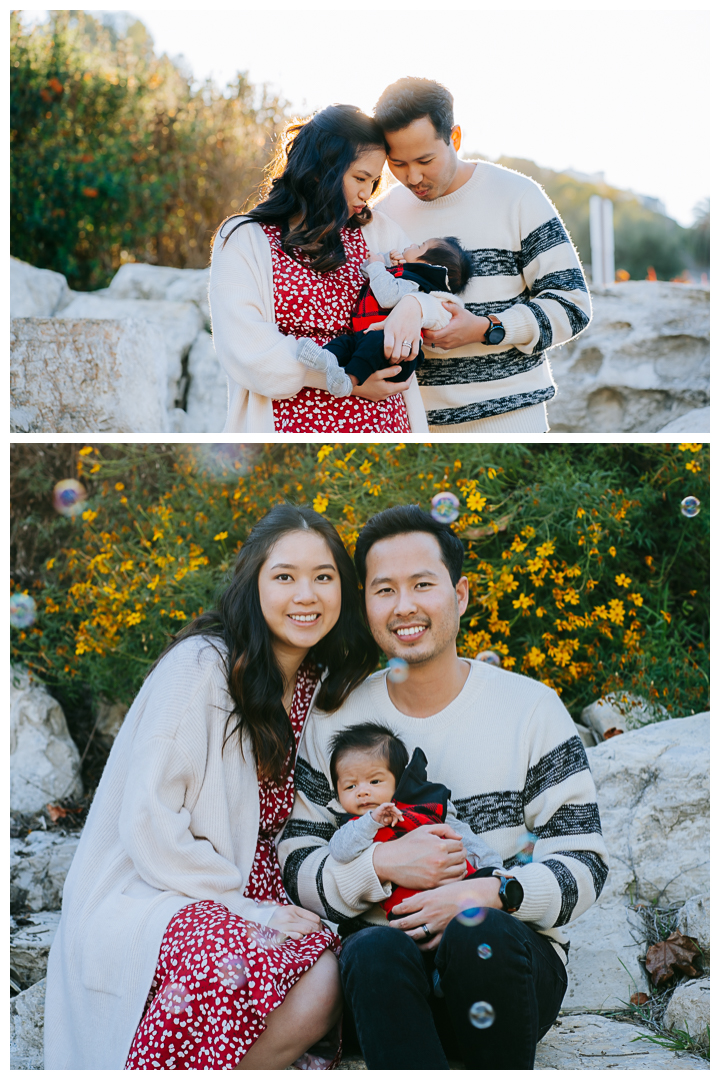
x=219 y=975
x=319 y=306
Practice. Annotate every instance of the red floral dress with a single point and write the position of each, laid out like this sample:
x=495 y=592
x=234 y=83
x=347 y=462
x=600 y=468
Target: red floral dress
x=218 y=975
x=319 y=306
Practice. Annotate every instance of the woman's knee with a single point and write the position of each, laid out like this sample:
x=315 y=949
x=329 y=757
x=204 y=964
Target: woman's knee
x=317 y=996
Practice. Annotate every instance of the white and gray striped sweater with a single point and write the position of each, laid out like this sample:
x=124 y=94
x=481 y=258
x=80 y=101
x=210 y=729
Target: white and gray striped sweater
x=508 y=751
x=526 y=271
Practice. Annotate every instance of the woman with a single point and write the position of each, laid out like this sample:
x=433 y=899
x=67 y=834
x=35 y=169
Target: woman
x=177 y=946
x=291 y=269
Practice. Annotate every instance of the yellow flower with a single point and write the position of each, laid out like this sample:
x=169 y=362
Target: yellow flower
x=580 y=512
x=518 y=544
x=89 y=515
x=523 y=601
x=581 y=541
x=119 y=486
x=491 y=474
x=666 y=615
x=693 y=447
x=320 y=503
x=612 y=551
x=153 y=584
x=616 y=610
x=694 y=466
x=49 y=564
x=535 y=658
x=540 y=612
x=85 y=451
x=476 y=501
x=546 y=549
x=528 y=532
x=220 y=536
x=623 y=580
x=649 y=560
x=457 y=465
x=366 y=467
x=323 y=452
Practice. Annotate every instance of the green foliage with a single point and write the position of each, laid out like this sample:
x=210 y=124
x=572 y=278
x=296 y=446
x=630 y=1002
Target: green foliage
x=583 y=572
x=117 y=157
x=643 y=238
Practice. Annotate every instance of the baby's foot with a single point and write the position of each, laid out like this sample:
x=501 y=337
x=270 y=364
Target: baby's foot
x=338 y=382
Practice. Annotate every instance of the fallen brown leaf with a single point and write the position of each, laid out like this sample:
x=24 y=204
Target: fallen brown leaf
x=639 y=999
x=612 y=732
x=672 y=957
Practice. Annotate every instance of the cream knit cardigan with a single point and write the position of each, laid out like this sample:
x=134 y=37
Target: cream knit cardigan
x=175 y=819
x=259 y=360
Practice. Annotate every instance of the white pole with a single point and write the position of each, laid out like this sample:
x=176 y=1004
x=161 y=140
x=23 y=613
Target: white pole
x=608 y=241
x=596 y=239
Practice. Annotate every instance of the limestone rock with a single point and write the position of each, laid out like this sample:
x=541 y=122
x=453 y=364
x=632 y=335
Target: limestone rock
x=44 y=761
x=689 y=1009
x=642 y=363
x=588 y=736
x=35 y=292
x=87 y=375
x=207 y=398
x=39 y=864
x=694 y=921
x=108 y=720
x=653 y=797
x=30 y=939
x=623 y=711
x=27 y=1028
x=177 y=322
x=697 y=420
x=597 y=1042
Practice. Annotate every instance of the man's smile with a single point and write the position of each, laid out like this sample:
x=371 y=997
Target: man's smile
x=410 y=633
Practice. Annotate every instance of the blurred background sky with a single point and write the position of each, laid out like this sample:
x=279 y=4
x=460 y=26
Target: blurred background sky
x=620 y=92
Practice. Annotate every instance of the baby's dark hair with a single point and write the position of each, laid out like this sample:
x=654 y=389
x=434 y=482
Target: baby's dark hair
x=369 y=736
x=447 y=251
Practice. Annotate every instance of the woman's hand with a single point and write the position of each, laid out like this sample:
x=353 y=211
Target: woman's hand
x=294 y=922
x=401 y=325
x=376 y=387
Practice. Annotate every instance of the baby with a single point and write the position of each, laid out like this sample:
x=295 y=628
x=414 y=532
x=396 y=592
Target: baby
x=384 y=796
x=440 y=267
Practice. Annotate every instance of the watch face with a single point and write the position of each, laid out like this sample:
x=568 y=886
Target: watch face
x=495 y=335
x=514 y=893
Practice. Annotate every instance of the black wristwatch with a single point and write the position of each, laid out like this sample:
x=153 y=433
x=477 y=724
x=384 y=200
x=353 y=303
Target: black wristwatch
x=495 y=332
x=511 y=892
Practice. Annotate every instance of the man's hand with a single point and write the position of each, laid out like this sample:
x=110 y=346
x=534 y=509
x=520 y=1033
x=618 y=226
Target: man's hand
x=402 y=324
x=463 y=329
x=425 y=858
x=376 y=387
x=386 y=813
x=436 y=907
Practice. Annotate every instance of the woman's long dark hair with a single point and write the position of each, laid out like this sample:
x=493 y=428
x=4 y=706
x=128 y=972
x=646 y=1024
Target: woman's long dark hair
x=303 y=193
x=347 y=654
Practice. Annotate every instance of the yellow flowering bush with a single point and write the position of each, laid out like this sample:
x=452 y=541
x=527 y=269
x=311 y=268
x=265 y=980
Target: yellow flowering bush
x=583 y=571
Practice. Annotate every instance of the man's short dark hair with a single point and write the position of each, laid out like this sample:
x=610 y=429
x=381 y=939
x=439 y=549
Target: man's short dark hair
x=447 y=251
x=410 y=99
x=398 y=520
x=370 y=736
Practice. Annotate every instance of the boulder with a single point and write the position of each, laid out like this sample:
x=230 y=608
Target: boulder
x=653 y=797
x=27 y=1028
x=694 y=921
x=697 y=420
x=597 y=1042
x=30 y=939
x=177 y=322
x=36 y=293
x=623 y=711
x=108 y=721
x=689 y=1009
x=44 y=761
x=642 y=363
x=39 y=864
x=87 y=375
x=207 y=397
x=588 y=737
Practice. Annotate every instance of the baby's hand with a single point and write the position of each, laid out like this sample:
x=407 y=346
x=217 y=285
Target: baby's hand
x=396 y=257
x=375 y=258
x=386 y=814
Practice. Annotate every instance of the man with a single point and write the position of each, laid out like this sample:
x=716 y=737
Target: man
x=487 y=985
x=528 y=291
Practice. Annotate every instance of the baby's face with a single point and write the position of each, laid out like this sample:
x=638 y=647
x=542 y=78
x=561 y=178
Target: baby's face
x=364 y=782
x=415 y=252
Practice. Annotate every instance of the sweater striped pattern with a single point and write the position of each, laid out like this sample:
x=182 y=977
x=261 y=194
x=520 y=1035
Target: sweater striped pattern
x=526 y=272
x=508 y=751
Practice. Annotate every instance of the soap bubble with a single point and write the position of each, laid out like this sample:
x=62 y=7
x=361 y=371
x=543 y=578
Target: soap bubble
x=445 y=507
x=398 y=670
x=175 y=998
x=484 y=952
x=690 y=507
x=68 y=497
x=489 y=657
x=232 y=972
x=471 y=916
x=526 y=846
x=22 y=611
x=264 y=937
x=482 y=1015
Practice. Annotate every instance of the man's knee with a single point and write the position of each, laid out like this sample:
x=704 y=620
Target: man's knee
x=377 y=950
x=496 y=936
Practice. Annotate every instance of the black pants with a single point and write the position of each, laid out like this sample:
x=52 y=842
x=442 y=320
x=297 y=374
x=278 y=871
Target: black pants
x=401 y=1024
x=362 y=354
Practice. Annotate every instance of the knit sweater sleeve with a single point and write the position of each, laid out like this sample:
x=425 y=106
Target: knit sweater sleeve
x=249 y=345
x=556 y=303
x=569 y=862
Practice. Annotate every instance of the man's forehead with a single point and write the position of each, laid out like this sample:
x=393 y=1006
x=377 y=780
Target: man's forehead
x=416 y=140
x=405 y=553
